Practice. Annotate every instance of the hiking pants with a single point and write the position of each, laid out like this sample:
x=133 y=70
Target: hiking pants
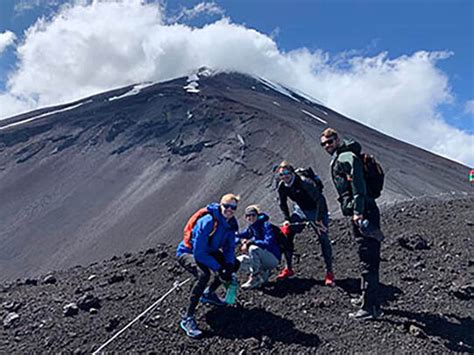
x=369 y=257
x=202 y=274
x=257 y=260
x=299 y=216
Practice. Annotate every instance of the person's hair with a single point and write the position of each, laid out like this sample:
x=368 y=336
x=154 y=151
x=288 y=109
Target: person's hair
x=229 y=198
x=330 y=132
x=252 y=209
x=285 y=165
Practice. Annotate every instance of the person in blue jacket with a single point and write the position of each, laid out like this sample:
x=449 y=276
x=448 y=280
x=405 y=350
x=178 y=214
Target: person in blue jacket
x=260 y=244
x=209 y=249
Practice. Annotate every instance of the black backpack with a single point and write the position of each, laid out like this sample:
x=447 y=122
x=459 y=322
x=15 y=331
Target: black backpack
x=373 y=172
x=309 y=173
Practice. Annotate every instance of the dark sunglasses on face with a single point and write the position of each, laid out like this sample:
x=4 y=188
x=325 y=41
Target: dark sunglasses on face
x=325 y=143
x=284 y=173
x=229 y=205
x=250 y=215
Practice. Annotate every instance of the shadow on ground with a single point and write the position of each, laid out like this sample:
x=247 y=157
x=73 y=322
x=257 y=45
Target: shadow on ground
x=457 y=332
x=388 y=293
x=233 y=323
x=295 y=286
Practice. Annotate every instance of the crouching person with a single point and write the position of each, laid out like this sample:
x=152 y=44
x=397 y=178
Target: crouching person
x=260 y=243
x=208 y=248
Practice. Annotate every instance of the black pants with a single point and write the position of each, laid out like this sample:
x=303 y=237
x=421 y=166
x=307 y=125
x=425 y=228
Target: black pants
x=323 y=238
x=369 y=257
x=202 y=274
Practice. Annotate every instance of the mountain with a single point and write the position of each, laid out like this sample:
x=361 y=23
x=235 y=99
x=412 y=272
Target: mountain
x=123 y=170
x=427 y=290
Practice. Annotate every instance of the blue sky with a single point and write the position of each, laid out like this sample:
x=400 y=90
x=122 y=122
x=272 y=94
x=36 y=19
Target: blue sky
x=331 y=49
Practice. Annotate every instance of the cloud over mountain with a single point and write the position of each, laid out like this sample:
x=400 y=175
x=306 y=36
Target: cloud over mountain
x=81 y=51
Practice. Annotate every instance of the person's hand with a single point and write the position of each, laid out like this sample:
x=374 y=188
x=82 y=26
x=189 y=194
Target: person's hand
x=225 y=274
x=244 y=247
x=320 y=227
x=357 y=219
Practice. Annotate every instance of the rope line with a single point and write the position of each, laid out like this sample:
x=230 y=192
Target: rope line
x=175 y=286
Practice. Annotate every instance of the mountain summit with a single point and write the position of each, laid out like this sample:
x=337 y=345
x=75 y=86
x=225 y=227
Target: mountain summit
x=123 y=170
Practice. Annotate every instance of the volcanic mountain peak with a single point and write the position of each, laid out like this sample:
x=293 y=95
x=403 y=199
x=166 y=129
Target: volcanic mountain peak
x=124 y=169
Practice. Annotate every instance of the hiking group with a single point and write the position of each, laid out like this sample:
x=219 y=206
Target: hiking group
x=212 y=234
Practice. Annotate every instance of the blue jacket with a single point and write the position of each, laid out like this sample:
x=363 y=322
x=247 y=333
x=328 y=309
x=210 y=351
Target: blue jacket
x=261 y=234
x=223 y=238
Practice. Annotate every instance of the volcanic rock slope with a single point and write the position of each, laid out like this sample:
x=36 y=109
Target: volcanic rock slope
x=427 y=293
x=124 y=170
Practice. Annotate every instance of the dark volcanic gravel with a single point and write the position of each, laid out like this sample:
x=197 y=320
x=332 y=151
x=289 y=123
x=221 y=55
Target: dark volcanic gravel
x=427 y=291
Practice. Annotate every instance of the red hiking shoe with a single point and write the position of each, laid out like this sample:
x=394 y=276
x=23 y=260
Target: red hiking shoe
x=285 y=274
x=329 y=279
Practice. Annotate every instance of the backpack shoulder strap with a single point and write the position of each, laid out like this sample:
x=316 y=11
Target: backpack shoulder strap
x=188 y=228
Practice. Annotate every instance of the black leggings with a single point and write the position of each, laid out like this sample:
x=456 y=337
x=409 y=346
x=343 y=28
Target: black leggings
x=202 y=274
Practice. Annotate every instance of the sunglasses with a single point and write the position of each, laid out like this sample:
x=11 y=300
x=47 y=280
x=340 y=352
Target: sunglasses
x=285 y=173
x=229 y=205
x=250 y=215
x=329 y=141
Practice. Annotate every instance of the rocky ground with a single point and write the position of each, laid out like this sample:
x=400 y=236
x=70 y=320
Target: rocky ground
x=427 y=291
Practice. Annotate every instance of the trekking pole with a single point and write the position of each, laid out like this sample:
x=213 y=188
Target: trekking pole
x=153 y=306
x=315 y=228
x=296 y=224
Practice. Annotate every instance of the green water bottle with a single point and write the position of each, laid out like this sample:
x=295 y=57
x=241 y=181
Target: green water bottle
x=231 y=293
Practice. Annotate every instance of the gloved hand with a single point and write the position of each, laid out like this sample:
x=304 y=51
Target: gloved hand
x=225 y=274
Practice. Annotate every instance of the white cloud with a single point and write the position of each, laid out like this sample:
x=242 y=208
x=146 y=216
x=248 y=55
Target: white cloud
x=469 y=107
x=7 y=38
x=23 y=6
x=81 y=51
x=209 y=8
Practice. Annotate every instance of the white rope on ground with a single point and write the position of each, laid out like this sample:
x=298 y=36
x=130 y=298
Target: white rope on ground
x=175 y=286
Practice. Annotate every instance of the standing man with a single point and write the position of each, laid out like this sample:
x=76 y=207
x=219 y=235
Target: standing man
x=348 y=177
x=310 y=206
x=208 y=247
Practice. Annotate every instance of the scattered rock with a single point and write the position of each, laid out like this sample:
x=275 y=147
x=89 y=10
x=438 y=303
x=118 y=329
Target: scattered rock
x=92 y=277
x=11 y=320
x=409 y=277
x=112 y=324
x=49 y=279
x=12 y=306
x=162 y=255
x=87 y=302
x=463 y=292
x=70 y=310
x=115 y=279
x=419 y=264
x=266 y=342
x=416 y=331
x=413 y=242
x=31 y=282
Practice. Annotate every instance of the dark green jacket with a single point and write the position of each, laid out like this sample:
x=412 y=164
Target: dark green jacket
x=348 y=176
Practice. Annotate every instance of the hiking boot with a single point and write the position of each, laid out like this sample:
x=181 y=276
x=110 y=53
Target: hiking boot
x=363 y=314
x=329 y=279
x=189 y=325
x=357 y=302
x=285 y=274
x=212 y=298
x=254 y=281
